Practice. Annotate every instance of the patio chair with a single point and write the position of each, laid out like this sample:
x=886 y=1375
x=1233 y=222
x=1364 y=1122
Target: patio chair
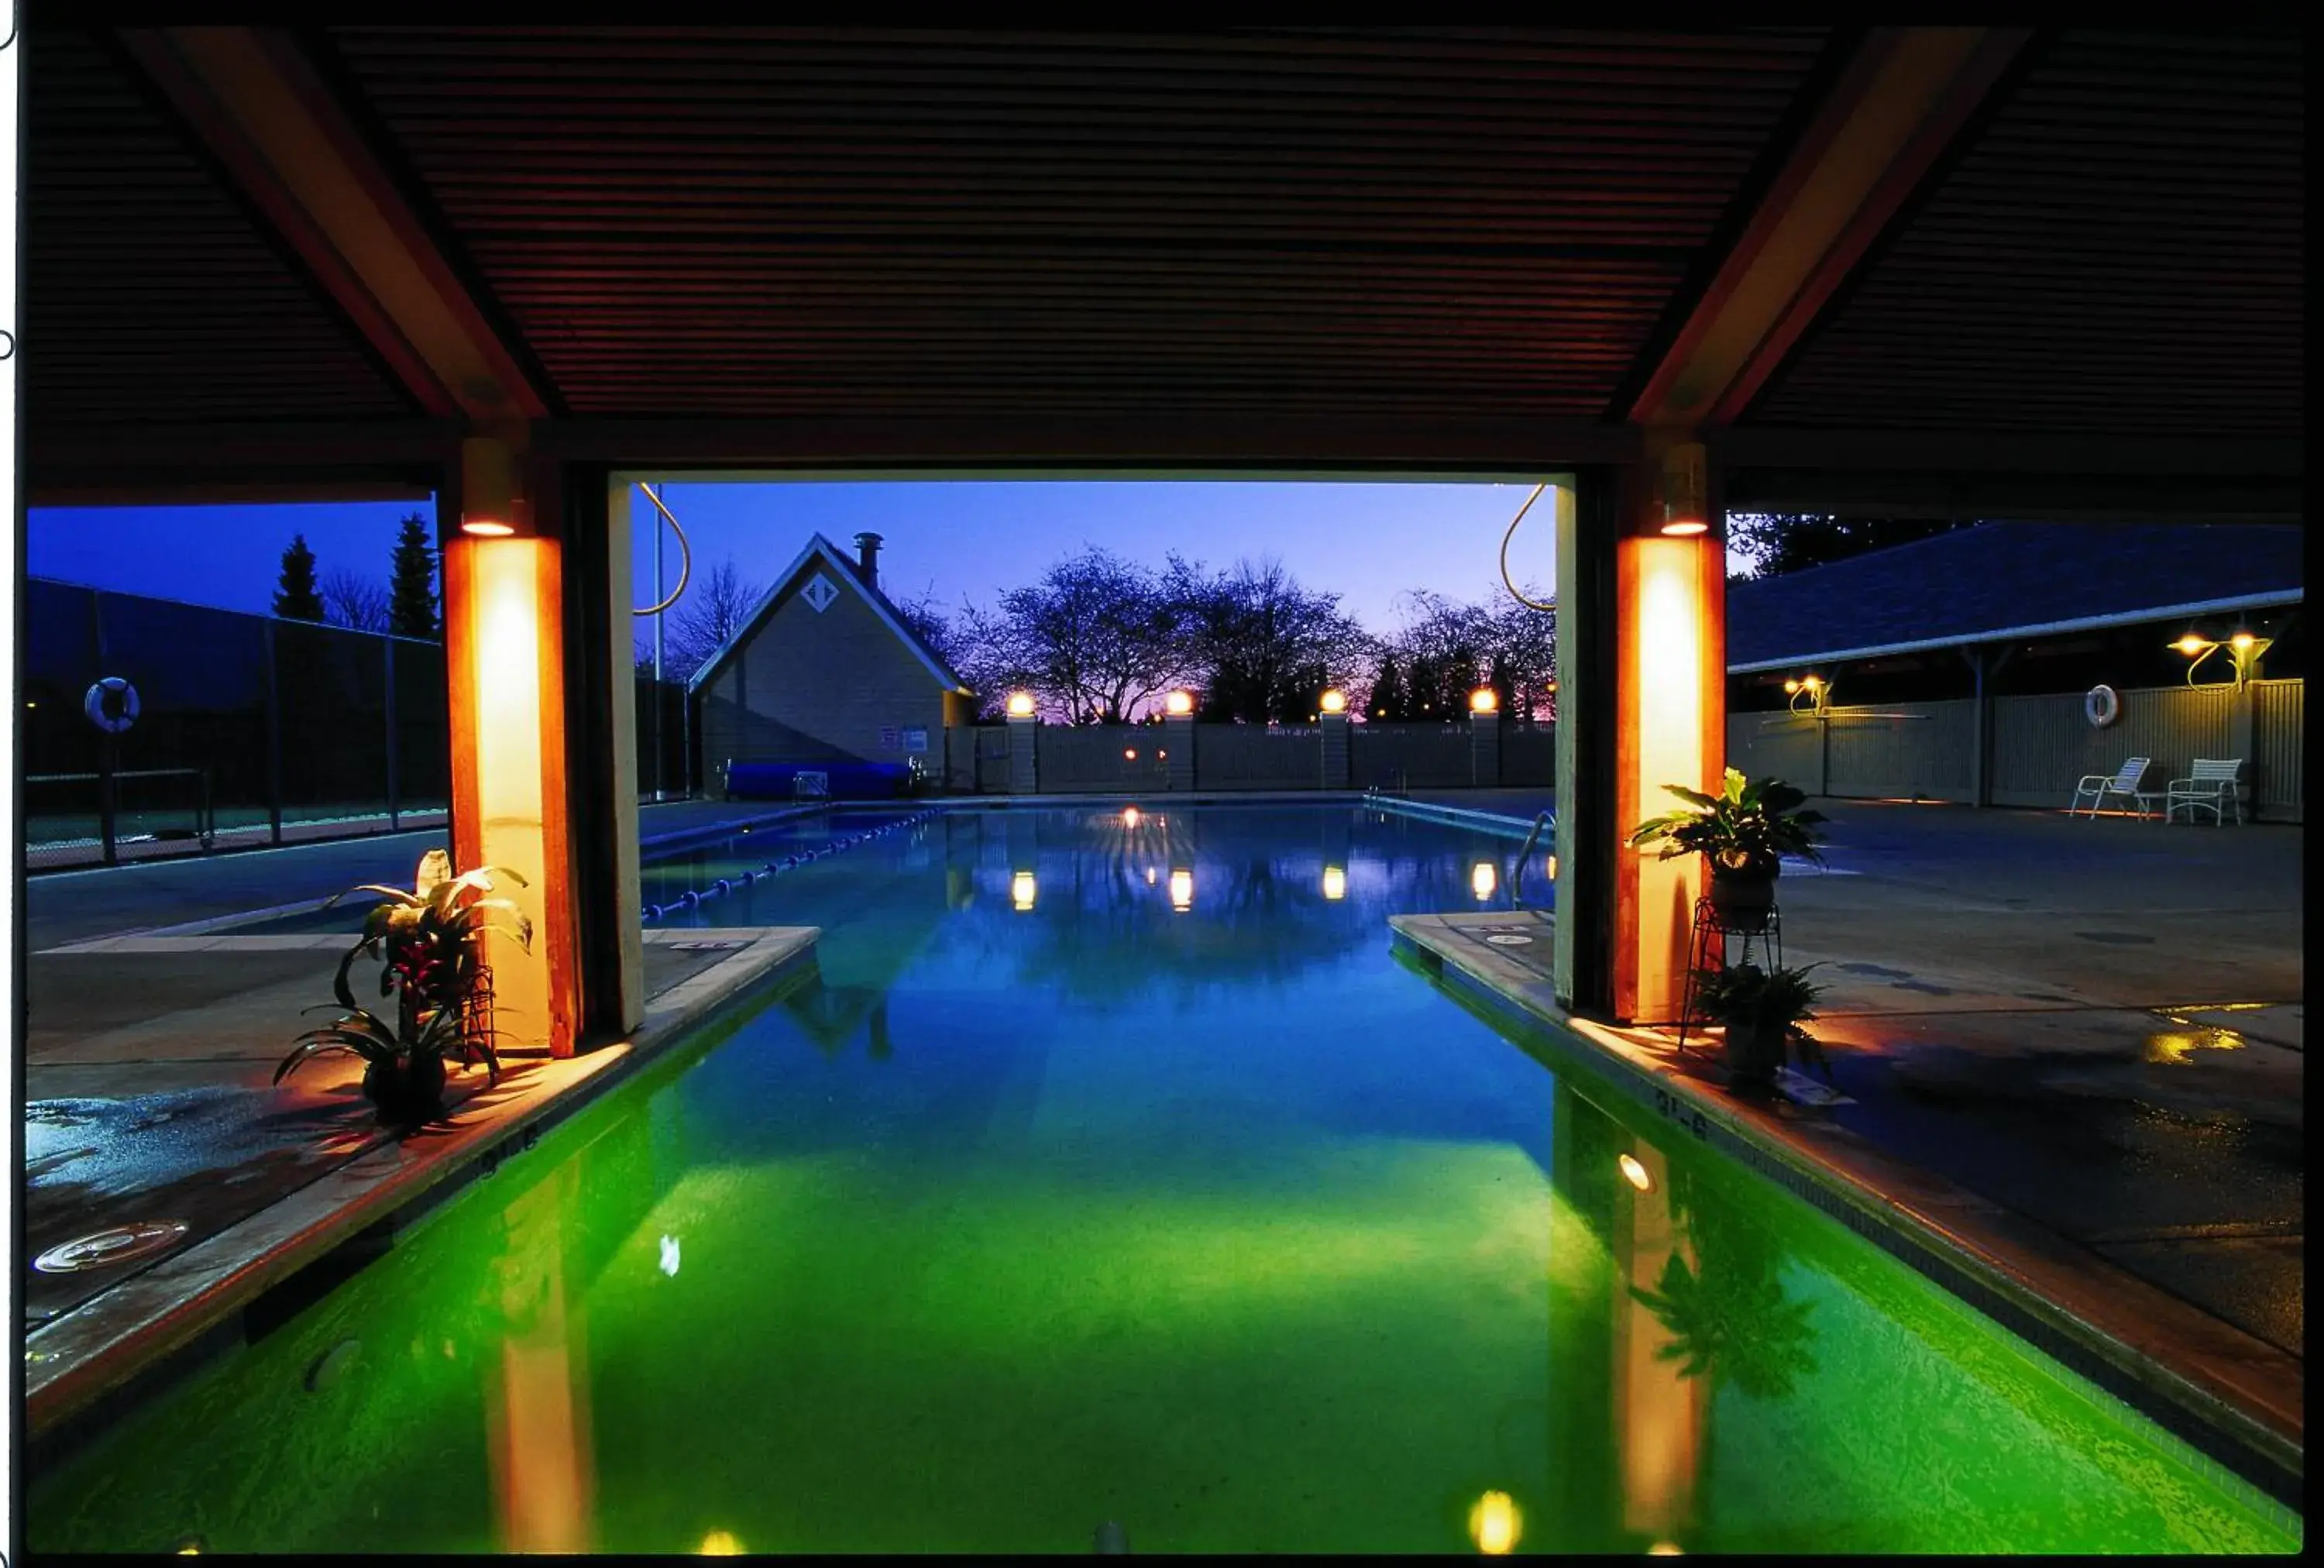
x=2096 y=788
x=2214 y=787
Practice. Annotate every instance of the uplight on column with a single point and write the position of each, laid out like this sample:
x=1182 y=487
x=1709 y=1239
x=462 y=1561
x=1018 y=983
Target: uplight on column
x=1684 y=511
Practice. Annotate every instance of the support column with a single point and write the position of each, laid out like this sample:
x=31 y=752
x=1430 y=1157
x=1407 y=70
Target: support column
x=1339 y=768
x=1178 y=743
x=1485 y=748
x=1642 y=686
x=504 y=659
x=1024 y=764
x=1986 y=665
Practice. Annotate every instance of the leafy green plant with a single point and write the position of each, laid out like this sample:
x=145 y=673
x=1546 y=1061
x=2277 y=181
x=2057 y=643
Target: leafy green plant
x=1748 y=995
x=1747 y=826
x=404 y=1063
x=429 y=938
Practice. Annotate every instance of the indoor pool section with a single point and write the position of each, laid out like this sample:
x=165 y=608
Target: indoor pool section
x=1111 y=1182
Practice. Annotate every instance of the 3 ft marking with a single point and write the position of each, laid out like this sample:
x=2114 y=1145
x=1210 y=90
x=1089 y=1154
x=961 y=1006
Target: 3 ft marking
x=1670 y=1105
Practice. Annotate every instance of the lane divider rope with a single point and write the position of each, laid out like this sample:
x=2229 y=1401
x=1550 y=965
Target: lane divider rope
x=694 y=897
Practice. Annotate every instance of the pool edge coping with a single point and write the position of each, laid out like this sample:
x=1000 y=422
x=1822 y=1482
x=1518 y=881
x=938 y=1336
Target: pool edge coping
x=135 y=1328
x=1972 y=1253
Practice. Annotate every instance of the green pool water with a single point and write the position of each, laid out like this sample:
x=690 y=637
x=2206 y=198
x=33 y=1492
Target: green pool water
x=1214 y=1223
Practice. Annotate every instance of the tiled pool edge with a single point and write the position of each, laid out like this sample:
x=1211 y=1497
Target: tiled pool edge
x=128 y=1338
x=2233 y=1446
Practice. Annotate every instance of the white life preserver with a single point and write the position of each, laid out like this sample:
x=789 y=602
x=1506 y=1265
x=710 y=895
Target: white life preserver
x=2102 y=706
x=111 y=705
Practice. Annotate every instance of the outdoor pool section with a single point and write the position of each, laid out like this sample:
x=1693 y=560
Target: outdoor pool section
x=1114 y=1176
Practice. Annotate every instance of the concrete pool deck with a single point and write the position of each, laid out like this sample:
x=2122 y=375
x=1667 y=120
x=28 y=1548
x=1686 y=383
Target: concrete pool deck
x=142 y=1111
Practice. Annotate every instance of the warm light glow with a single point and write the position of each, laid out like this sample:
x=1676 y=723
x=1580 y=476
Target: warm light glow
x=669 y=1256
x=1552 y=868
x=1484 y=700
x=1130 y=753
x=1666 y=626
x=720 y=1543
x=1335 y=701
x=1813 y=683
x=1021 y=704
x=1665 y=1549
x=1182 y=890
x=1020 y=890
x=2242 y=642
x=1495 y=1524
x=2190 y=645
x=485 y=527
x=1335 y=884
x=507 y=579
x=1685 y=530
x=1634 y=1173
x=1483 y=879
x=1130 y=817
x=1179 y=702
x=1150 y=876
x=1790 y=686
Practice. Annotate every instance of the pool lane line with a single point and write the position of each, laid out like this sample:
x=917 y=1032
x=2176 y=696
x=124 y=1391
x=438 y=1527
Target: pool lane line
x=693 y=897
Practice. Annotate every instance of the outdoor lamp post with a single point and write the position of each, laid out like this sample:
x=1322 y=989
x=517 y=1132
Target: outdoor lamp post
x=2244 y=651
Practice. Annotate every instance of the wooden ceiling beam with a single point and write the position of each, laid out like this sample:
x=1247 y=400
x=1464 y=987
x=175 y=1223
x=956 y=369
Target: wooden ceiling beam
x=253 y=99
x=1898 y=104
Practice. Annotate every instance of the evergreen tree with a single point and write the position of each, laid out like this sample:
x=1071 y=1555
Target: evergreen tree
x=411 y=589
x=1387 y=690
x=296 y=598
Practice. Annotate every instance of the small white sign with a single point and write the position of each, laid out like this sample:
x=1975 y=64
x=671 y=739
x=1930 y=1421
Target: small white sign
x=820 y=593
x=889 y=738
x=915 y=740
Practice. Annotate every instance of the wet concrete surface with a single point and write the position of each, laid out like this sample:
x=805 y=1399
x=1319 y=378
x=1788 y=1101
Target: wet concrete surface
x=149 y=1092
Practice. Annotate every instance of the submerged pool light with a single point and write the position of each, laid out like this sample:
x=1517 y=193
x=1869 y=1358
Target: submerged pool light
x=1182 y=890
x=1635 y=1172
x=1483 y=880
x=1495 y=1524
x=1335 y=884
x=1021 y=890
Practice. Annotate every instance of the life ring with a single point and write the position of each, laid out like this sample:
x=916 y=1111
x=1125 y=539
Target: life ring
x=111 y=705
x=2102 y=706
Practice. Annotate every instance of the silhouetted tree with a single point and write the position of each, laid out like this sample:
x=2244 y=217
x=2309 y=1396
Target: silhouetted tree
x=354 y=602
x=1385 y=698
x=411 y=610
x=1775 y=543
x=295 y=596
x=715 y=608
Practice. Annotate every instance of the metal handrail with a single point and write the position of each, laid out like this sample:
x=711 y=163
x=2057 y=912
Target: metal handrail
x=1516 y=870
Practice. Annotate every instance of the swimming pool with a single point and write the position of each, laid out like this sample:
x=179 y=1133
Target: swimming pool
x=1111 y=1173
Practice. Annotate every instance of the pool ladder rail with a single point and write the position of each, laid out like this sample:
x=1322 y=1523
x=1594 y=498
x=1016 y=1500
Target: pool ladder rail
x=1545 y=820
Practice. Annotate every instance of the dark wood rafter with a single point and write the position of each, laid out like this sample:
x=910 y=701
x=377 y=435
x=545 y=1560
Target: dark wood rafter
x=256 y=105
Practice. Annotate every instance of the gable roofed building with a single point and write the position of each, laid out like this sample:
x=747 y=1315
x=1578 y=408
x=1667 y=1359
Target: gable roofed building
x=824 y=669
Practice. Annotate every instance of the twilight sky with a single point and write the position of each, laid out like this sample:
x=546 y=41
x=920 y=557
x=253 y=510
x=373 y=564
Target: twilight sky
x=1367 y=542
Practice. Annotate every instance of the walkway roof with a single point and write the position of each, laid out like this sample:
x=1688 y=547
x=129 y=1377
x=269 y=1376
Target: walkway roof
x=2057 y=271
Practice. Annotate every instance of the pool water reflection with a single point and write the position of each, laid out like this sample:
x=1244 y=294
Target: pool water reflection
x=1161 y=1197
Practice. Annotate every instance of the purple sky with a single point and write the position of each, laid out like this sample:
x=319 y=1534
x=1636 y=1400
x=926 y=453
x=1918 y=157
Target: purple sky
x=1369 y=543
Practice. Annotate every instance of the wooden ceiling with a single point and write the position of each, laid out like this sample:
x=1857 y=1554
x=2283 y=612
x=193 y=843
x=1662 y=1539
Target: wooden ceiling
x=1360 y=231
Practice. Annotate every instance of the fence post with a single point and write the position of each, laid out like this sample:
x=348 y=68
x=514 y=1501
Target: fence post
x=274 y=741
x=1337 y=772
x=1485 y=748
x=1178 y=730
x=1024 y=766
x=394 y=816
x=109 y=800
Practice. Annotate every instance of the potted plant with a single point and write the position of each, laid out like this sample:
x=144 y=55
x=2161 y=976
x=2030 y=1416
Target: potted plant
x=1758 y=1008
x=429 y=941
x=1744 y=831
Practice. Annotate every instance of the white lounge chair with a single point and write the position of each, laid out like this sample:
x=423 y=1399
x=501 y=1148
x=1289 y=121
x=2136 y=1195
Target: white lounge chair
x=2214 y=789
x=2096 y=788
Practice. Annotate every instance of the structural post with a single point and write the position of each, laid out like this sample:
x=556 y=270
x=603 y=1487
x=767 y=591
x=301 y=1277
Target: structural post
x=1660 y=689
x=1485 y=748
x=505 y=615
x=1024 y=753
x=1178 y=745
x=273 y=740
x=387 y=679
x=1338 y=767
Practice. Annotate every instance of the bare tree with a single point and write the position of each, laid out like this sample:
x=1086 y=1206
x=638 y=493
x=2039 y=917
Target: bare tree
x=354 y=601
x=715 y=606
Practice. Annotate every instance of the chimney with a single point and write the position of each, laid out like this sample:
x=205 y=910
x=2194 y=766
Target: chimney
x=867 y=558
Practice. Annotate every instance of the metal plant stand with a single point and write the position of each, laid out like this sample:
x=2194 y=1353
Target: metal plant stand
x=1733 y=945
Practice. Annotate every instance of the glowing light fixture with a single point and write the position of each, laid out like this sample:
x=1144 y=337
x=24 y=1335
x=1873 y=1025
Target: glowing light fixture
x=485 y=527
x=1335 y=884
x=669 y=1256
x=2242 y=642
x=2244 y=651
x=1182 y=890
x=1020 y=890
x=1665 y=1549
x=1130 y=753
x=1552 y=868
x=1635 y=1173
x=1483 y=879
x=2190 y=645
x=1130 y=817
x=1181 y=701
x=1684 y=514
x=1021 y=704
x=719 y=1544
x=1495 y=1524
x=492 y=500
x=1150 y=876
x=1687 y=529
x=1484 y=700
x=1335 y=701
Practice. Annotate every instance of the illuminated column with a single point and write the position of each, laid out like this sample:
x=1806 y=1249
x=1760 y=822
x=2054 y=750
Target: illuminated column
x=504 y=645
x=1024 y=745
x=1642 y=703
x=1339 y=770
x=1178 y=738
x=1484 y=738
